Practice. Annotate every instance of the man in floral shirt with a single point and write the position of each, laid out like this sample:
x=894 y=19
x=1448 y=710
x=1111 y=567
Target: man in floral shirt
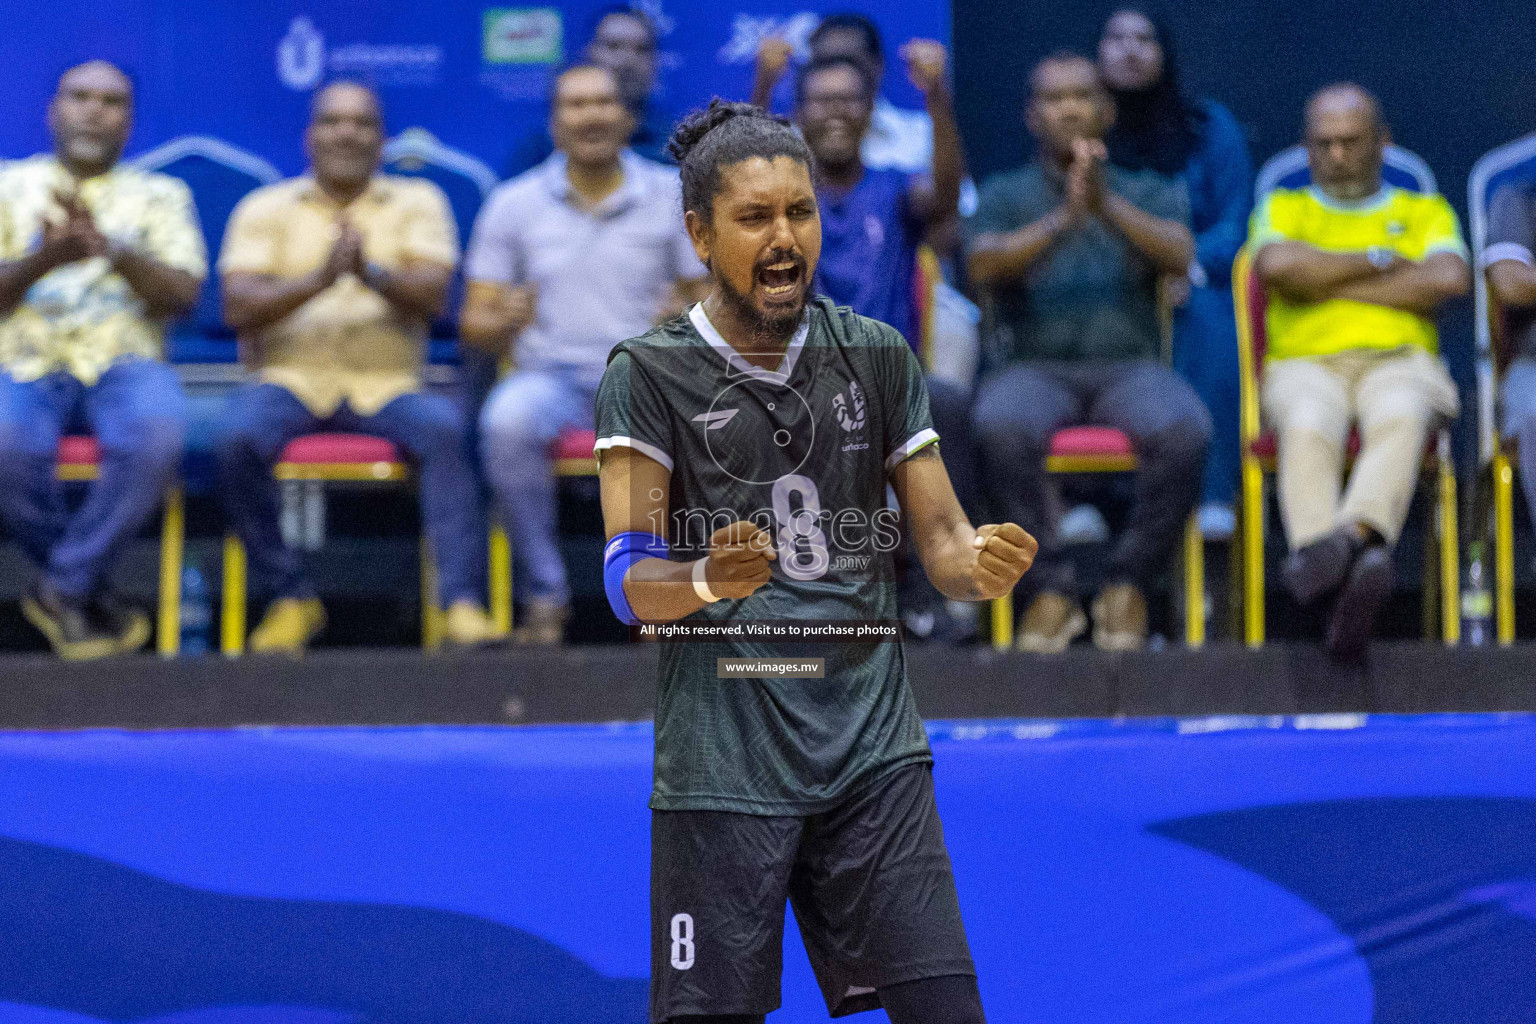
x=95 y=258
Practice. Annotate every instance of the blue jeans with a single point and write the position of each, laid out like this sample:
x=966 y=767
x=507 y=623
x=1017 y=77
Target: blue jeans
x=1205 y=354
x=521 y=419
x=429 y=429
x=137 y=413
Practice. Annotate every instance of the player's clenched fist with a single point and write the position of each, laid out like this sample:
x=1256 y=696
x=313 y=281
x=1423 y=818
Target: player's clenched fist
x=738 y=560
x=1003 y=553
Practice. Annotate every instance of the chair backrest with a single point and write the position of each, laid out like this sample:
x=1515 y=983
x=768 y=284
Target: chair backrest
x=466 y=181
x=1250 y=301
x=219 y=175
x=1509 y=163
x=1288 y=169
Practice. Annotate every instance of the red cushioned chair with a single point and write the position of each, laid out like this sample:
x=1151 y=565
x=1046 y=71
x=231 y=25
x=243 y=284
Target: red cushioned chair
x=1106 y=450
x=79 y=461
x=1258 y=455
x=572 y=453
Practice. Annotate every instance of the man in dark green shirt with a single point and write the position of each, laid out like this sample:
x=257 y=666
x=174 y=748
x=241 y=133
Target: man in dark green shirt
x=1072 y=250
x=755 y=437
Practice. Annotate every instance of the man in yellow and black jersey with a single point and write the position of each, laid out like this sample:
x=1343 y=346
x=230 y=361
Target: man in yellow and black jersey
x=1355 y=270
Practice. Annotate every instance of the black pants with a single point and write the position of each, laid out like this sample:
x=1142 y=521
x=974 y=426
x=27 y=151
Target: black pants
x=1019 y=409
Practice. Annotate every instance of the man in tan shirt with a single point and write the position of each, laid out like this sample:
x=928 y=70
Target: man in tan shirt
x=331 y=280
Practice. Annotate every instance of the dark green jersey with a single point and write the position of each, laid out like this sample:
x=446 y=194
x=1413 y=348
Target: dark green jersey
x=803 y=452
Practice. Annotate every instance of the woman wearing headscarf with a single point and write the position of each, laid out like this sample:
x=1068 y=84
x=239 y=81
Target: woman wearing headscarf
x=1160 y=129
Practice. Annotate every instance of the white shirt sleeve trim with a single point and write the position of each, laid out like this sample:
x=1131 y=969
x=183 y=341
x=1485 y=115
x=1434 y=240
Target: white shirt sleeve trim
x=643 y=447
x=1507 y=251
x=919 y=440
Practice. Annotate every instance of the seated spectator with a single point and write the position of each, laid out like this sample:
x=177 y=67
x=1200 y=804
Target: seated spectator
x=1512 y=282
x=95 y=257
x=567 y=260
x=1355 y=269
x=1071 y=248
x=1158 y=128
x=894 y=139
x=623 y=40
x=331 y=280
x=873 y=220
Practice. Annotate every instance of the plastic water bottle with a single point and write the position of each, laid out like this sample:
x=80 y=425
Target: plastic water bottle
x=1476 y=600
x=196 y=611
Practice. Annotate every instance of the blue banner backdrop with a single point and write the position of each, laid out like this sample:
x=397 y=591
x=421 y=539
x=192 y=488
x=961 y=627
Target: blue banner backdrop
x=1284 y=871
x=473 y=72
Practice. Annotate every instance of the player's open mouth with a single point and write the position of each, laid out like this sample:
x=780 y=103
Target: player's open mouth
x=780 y=280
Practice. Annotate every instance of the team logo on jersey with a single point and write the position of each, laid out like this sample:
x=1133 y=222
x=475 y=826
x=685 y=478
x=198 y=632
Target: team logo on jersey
x=850 y=408
x=716 y=419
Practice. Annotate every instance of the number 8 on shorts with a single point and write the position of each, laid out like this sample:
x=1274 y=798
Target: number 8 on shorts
x=682 y=941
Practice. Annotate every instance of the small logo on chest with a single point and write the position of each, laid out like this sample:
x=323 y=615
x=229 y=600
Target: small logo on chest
x=849 y=408
x=716 y=419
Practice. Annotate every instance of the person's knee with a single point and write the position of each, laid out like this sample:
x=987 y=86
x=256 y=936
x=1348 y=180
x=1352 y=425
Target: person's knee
x=153 y=446
x=511 y=431
x=437 y=429
x=21 y=457
x=1185 y=441
x=238 y=435
x=1310 y=417
x=1002 y=431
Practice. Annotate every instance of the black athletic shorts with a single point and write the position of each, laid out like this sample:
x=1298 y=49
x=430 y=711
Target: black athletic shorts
x=870 y=882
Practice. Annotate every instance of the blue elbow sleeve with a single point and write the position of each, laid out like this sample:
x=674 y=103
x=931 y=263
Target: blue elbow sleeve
x=623 y=551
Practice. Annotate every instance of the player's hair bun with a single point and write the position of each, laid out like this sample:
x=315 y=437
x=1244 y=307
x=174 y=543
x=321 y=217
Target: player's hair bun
x=725 y=133
x=692 y=129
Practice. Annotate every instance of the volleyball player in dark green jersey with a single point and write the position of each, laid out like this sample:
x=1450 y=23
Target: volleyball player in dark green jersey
x=746 y=449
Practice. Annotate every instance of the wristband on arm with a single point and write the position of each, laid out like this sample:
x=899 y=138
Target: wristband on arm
x=701 y=584
x=623 y=551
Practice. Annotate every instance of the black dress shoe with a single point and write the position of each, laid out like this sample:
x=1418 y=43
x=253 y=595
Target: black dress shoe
x=1354 y=612
x=67 y=625
x=1319 y=568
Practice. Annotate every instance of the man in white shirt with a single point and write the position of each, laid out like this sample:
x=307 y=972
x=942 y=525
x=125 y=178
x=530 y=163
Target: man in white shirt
x=566 y=261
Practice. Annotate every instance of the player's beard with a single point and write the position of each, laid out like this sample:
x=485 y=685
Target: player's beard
x=769 y=330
